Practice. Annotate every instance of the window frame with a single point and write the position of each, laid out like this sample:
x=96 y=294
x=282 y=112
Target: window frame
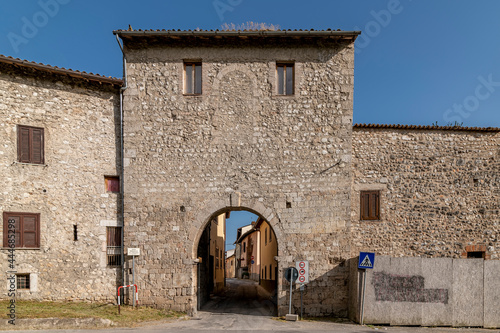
x=193 y=81
x=27 y=281
x=8 y=215
x=111 y=247
x=30 y=159
x=284 y=87
x=108 y=187
x=372 y=204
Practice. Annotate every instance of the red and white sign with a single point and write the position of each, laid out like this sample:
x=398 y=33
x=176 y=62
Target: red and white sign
x=252 y=257
x=303 y=268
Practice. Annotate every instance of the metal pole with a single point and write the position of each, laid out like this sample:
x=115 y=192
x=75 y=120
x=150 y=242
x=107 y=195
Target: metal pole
x=301 y=292
x=133 y=275
x=291 y=282
x=363 y=296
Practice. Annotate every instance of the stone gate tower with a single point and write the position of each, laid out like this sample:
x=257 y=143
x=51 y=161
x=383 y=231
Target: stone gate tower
x=229 y=120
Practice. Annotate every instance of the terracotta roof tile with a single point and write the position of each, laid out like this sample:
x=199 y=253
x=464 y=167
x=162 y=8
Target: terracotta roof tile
x=429 y=127
x=60 y=70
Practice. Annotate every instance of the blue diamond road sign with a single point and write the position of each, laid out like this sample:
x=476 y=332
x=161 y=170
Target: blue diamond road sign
x=366 y=260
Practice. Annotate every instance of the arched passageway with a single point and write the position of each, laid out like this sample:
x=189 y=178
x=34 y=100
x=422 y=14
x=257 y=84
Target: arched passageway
x=237 y=268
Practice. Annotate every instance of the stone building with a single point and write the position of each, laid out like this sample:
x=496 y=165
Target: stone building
x=220 y=121
x=59 y=167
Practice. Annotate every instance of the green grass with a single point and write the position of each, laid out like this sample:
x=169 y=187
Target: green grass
x=128 y=316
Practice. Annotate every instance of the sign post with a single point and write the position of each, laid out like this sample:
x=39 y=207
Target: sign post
x=133 y=252
x=366 y=261
x=291 y=275
x=302 y=267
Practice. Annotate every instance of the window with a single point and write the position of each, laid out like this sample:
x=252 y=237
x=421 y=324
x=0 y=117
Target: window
x=192 y=78
x=112 y=184
x=113 y=245
x=285 y=77
x=265 y=272
x=265 y=236
x=30 y=144
x=22 y=281
x=244 y=247
x=270 y=235
x=370 y=205
x=270 y=272
x=25 y=227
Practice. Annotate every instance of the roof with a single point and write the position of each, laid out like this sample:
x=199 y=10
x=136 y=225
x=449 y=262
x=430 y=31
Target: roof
x=427 y=127
x=337 y=35
x=244 y=235
x=59 y=70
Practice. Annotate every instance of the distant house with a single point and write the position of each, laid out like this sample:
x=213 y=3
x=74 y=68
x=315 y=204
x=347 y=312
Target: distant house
x=230 y=264
x=268 y=253
x=249 y=253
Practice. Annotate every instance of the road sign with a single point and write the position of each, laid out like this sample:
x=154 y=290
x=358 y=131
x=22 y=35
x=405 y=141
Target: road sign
x=291 y=274
x=132 y=251
x=253 y=262
x=303 y=268
x=366 y=260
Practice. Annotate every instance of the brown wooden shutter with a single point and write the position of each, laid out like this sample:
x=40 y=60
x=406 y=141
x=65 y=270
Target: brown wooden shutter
x=27 y=229
x=370 y=205
x=24 y=145
x=37 y=146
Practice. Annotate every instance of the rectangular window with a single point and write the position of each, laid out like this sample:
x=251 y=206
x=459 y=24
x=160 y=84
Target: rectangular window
x=113 y=245
x=265 y=236
x=24 y=228
x=370 y=205
x=285 y=77
x=270 y=235
x=23 y=281
x=244 y=247
x=112 y=184
x=30 y=144
x=192 y=78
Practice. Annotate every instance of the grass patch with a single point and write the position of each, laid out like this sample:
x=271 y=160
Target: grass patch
x=128 y=316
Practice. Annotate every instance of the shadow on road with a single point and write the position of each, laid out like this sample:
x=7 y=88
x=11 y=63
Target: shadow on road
x=245 y=297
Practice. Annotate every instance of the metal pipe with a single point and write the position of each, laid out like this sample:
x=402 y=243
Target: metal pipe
x=122 y=171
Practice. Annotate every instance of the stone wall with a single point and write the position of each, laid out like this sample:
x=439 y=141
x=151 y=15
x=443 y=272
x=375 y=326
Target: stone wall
x=238 y=146
x=80 y=129
x=439 y=192
x=427 y=292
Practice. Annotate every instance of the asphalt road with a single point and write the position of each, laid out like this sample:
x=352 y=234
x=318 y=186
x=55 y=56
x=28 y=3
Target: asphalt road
x=246 y=307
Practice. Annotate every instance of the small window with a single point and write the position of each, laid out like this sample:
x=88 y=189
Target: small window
x=265 y=236
x=265 y=272
x=285 y=78
x=270 y=235
x=192 y=78
x=244 y=247
x=270 y=272
x=113 y=245
x=23 y=281
x=30 y=144
x=112 y=184
x=370 y=205
x=476 y=254
x=24 y=228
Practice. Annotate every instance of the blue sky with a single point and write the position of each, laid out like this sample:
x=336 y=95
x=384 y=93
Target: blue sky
x=417 y=62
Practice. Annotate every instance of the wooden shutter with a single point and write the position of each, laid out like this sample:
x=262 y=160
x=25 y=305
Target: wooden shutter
x=37 y=146
x=27 y=229
x=370 y=205
x=30 y=145
x=24 y=145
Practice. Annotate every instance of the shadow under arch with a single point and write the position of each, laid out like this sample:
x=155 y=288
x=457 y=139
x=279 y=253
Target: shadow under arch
x=242 y=296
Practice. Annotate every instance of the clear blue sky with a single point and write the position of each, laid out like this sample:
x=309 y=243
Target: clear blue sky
x=417 y=62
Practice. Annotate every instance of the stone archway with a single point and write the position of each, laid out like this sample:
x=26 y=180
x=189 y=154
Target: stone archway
x=206 y=277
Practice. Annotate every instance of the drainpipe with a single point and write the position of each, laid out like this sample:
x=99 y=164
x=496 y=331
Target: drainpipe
x=122 y=169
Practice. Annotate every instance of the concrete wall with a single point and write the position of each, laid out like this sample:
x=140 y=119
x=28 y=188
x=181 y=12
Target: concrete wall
x=427 y=292
x=80 y=122
x=238 y=146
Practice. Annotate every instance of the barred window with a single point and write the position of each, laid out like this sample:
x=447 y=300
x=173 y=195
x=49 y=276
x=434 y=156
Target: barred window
x=113 y=246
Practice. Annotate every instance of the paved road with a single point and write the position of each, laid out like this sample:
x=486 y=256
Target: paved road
x=246 y=307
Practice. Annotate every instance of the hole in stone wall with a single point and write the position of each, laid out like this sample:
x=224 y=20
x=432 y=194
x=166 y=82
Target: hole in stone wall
x=183 y=209
x=288 y=204
x=75 y=232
